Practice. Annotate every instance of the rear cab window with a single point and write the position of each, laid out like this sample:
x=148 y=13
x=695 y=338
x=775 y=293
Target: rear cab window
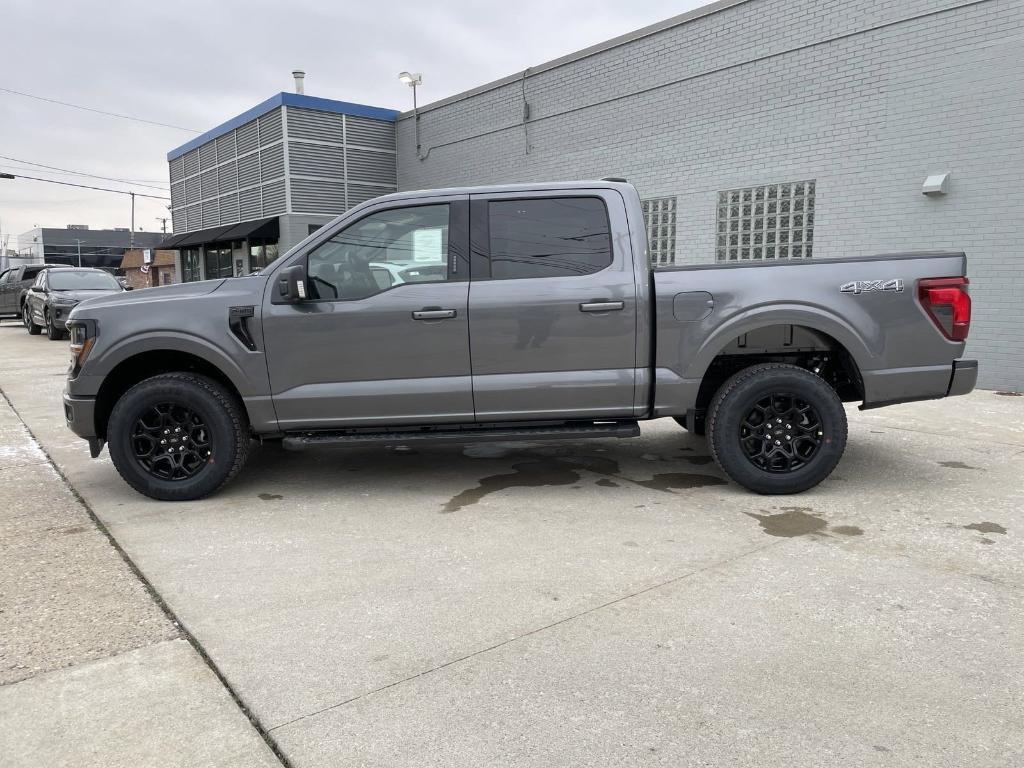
x=548 y=237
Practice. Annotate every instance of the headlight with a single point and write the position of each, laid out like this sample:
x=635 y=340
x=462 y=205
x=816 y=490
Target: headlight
x=83 y=337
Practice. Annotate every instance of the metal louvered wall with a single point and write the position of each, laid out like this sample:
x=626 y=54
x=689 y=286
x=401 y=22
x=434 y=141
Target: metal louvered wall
x=289 y=160
x=336 y=161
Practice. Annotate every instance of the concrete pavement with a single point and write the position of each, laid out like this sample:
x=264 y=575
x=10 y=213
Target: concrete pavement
x=92 y=671
x=599 y=603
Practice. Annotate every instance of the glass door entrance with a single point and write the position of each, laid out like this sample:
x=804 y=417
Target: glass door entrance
x=218 y=261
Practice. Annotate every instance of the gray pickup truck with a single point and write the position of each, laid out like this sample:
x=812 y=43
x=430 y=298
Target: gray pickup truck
x=521 y=312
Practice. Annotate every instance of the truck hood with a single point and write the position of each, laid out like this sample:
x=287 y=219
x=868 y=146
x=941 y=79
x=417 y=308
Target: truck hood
x=144 y=295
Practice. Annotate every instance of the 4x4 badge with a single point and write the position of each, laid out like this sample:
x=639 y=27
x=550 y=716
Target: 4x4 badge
x=867 y=286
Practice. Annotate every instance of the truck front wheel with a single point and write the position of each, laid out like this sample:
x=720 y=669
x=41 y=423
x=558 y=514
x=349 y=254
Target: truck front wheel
x=776 y=428
x=178 y=436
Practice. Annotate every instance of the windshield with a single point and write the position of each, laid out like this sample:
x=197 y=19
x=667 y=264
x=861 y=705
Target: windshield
x=73 y=280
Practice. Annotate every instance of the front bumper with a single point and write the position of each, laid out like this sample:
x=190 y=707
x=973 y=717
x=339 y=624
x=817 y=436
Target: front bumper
x=965 y=376
x=60 y=313
x=80 y=416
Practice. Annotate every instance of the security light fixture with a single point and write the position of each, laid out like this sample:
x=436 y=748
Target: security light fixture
x=412 y=79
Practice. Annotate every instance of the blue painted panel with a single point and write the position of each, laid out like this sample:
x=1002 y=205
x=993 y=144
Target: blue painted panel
x=290 y=100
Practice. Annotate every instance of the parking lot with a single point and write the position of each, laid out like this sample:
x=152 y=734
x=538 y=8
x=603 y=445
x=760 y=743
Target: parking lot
x=595 y=603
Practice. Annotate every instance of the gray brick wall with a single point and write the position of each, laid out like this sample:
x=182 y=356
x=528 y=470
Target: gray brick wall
x=868 y=97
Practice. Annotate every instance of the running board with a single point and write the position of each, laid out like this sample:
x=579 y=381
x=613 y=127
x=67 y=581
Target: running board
x=474 y=433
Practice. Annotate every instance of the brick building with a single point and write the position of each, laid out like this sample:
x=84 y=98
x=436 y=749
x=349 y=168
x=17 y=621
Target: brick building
x=158 y=270
x=845 y=106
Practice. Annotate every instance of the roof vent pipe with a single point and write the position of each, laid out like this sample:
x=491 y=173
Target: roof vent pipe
x=299 y=76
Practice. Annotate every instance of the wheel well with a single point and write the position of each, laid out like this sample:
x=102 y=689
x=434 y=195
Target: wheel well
x=794 y=344
x=130 y=372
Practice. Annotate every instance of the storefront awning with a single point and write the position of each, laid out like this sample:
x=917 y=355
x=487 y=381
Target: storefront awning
x=202 y=236
x=265 y=229
x=171 y=242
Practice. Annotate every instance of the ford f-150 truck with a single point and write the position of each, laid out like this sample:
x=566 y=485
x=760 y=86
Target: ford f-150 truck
x=504 y=313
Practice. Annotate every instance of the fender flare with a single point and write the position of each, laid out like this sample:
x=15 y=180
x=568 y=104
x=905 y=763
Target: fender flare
x=174 y=341
x=863 y=350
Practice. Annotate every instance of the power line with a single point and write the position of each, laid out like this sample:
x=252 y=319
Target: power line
x=86 y=186
x=81 y=173
x=98 y=111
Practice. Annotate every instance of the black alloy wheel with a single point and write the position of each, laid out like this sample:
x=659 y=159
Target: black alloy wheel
x=171 y=442
x=781 y=433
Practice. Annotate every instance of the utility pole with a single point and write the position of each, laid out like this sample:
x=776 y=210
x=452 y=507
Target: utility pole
x=79 y=251
x=163 y=223
x=131 y=232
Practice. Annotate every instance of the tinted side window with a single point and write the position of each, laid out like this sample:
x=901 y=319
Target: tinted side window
x=382 y=251
x=554 y=237
x=30 y=273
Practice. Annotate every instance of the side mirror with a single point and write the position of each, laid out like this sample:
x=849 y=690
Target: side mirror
x=291 y=284
x=128 y=287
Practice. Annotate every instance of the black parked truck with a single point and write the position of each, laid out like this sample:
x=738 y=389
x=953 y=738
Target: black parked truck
x=504 y=313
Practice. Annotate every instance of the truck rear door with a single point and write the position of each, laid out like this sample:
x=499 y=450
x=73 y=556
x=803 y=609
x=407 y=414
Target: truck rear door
x=552 y=306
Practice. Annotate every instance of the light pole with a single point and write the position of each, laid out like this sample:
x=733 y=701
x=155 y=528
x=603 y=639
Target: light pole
x=413 y=79
x=79 y=251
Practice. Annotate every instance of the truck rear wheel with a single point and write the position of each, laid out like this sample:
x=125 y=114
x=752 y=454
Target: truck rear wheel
x=776 y=428
x=178 y=436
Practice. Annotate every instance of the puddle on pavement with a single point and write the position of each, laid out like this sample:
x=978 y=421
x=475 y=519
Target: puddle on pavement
x=270 y=496
x=956 y=465
x=791 y=522
x=673 y=481
x=564 y=470
x=986 y=528
x=847 y=530
x=526 y=474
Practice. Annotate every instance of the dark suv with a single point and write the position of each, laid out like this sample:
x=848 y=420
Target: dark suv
x=14 y=282
x=57 y=291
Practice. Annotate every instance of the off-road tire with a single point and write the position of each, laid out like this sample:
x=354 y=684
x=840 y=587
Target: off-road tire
x=220 y=411
x=29 y=323
x=740 y=394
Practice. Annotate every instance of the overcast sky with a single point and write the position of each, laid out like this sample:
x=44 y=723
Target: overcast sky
x=196 y=64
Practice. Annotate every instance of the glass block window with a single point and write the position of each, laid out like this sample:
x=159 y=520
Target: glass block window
x=775 y=221
x=660 y=218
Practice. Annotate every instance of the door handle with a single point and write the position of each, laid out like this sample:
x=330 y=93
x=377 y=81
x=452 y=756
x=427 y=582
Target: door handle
x=602 y=306
x=433 y=314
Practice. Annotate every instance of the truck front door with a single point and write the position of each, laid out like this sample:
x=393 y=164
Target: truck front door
x=552 y=306
x=383 y=337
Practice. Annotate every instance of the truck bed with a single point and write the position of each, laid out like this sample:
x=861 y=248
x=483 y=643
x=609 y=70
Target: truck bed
x=866 y=305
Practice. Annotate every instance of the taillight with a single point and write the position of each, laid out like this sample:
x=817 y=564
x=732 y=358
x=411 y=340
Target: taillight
x=948 y=303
